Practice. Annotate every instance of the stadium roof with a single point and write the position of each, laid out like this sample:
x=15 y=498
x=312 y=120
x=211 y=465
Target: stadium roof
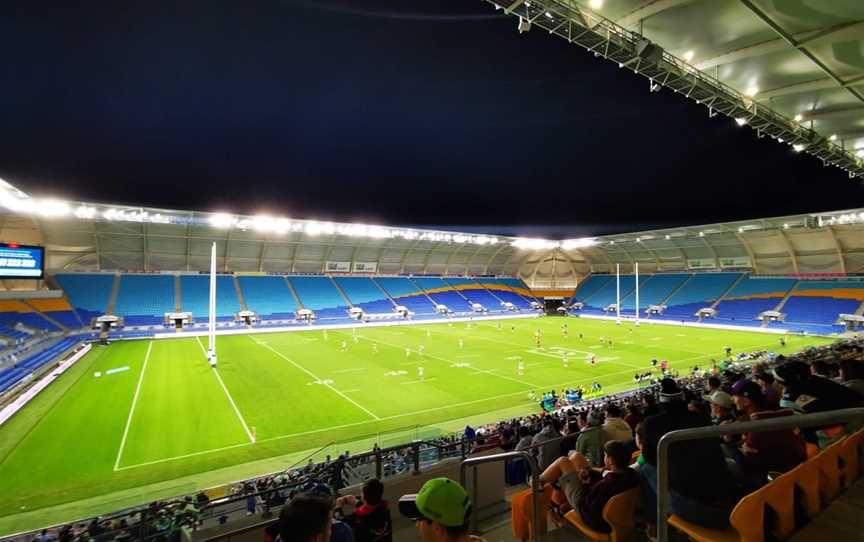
x=792 y=70
x=92 y=237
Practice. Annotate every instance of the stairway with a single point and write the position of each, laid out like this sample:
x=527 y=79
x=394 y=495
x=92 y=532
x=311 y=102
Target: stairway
x=240 y=297
x=411 y=280
x=293 y=293
x=383 y=291
x=676 y=289
x=457 y=290
x=115 y=290
x=341 y=291
x=178 y=300
x=728 y=290
x=860 y=310
x=63 y=328
x=786 y=297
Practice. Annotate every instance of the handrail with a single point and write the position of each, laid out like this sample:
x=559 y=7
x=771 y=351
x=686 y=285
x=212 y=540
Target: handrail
x=535 y=483
x=774 y=424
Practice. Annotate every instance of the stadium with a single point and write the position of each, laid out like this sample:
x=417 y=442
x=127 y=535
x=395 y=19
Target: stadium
x=172 y=374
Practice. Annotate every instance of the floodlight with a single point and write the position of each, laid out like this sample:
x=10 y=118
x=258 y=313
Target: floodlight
x=52 y=208
x=596 y=4
x=549 y=15
x=668 y=237
x=585 y=242
x=860 y=153
x=221 y=220
x=799 y=117
x=751 y=91
x=833 y=137
x=85 y=213
x=535 y=244
x=523 y=26
x=741 y=121
x=688 y=55
x=798 y=148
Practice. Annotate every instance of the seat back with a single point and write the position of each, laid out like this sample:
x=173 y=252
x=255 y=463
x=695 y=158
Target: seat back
x=851 y=452
x=807 y=479
x=619 y=513
x=829 y=473
x=748 y=517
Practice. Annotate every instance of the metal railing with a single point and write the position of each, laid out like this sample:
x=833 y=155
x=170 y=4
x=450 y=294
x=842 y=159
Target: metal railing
x=494 y=458
x=820 y=419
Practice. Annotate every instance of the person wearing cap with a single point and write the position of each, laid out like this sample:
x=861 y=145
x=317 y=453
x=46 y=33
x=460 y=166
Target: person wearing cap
x=591 y=439
x=721 y=407
x=701 y=490
x=441 y=509
x=765 y=451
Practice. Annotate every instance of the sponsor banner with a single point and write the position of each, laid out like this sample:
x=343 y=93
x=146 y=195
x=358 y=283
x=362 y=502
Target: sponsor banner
x=337 y=267
x=365 y=267
x=740 y=261
x=702 y=263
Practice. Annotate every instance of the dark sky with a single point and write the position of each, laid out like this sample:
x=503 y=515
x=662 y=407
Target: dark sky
x=423 y=112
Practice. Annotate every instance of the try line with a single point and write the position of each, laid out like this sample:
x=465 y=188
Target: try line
x=230 y=399
x=132 y=408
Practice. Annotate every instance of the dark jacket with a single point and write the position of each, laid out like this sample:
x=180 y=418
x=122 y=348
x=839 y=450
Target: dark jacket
x=697 y=467
x=372 y=523
x=600 y=489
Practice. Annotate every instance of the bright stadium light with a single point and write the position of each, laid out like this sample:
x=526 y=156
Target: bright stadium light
x=741 y=121
x=570 y=244
x=751 y=91
x=860 y=153
x=85 y=213
x=799 y=117
x=596 y=4
x=52 y=208
x=221 y=220
x=548 y=15
x=798 y=147
x=688 y=55
x=535 y=244
x=833 y=137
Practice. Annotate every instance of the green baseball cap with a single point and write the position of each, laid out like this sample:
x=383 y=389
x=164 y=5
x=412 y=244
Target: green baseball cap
x=440 y=500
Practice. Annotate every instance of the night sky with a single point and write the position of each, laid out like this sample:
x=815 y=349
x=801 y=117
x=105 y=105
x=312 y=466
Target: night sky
x=402 y=112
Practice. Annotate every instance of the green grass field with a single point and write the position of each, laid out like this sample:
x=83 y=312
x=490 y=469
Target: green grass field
x=171 y=417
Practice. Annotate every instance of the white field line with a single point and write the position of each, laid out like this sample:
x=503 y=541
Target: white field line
x=357 y=370
x=417 y=381
x=132 y=408
x=354 y=424
x=228 y=394
x=308 y=372
x=451 y=362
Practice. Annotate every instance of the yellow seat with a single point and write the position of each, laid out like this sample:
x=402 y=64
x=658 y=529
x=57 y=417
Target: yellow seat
x=852 y=452
x=807 y=479
x=829 y=473
x=747 y=520
x=618 y=513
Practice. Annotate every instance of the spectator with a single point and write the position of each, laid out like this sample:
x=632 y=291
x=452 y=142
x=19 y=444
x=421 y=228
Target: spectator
x=852 y=375
x=766 y=451
x=721 y=407
x=525 y=438
x=372 y=518
x=591 y=439
x=701 y=490
x=713 y=385
x=568 y=443
x=614 y=426
x=306 y=518
x=634 y=416
x=807 y=393
x=587 y=490
x=545 y=440
x=441 y=509
x=771 y=389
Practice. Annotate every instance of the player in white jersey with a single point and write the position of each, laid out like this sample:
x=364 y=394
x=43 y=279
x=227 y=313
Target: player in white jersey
x=420 y=374
x=374 y=348
x=498 y=324
x=420 y=349
x=344 y=346
x=428 y=333
x=356 y=339
x=407 y=352
x=520 y=368
x=566 y=360
x=325 y=335
x=461 y=342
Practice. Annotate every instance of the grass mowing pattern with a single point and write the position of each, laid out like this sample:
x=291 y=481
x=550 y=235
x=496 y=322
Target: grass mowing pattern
x=300 y=391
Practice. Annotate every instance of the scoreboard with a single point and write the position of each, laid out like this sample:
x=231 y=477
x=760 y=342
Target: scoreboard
x=21 y=261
